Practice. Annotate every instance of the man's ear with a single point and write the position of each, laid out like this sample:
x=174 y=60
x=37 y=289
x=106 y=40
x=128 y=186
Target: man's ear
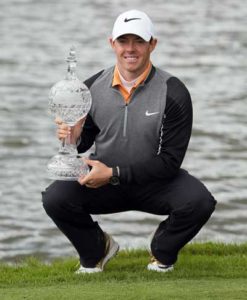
x=153 y=44
x=111 y=42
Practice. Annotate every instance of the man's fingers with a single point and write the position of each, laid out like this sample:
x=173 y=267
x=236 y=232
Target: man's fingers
x=61 y=124
x=84 y=179
x=91 y=162
x=58 y=121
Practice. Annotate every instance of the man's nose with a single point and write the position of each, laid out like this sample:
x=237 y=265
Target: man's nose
x=130 y=46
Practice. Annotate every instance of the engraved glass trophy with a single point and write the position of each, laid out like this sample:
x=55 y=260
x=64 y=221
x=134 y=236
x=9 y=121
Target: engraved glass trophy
x=70 y=100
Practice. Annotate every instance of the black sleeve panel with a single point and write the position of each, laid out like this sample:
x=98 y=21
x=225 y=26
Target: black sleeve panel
x=88 y=82
x=90 y=130
x=175 y=134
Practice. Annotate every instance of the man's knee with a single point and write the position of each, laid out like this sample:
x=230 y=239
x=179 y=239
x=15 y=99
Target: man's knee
x=194 y=201
x=204 y=206
x=62 y=198
x=48 y=203
x=52 y=199
x=197 y=208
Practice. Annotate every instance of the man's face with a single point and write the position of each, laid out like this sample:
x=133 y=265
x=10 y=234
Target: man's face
x=133 y=54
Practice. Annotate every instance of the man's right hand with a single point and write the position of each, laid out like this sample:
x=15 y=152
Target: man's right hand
x=63 y=130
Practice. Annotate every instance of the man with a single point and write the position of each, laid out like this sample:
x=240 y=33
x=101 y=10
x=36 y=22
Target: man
x=140 y=122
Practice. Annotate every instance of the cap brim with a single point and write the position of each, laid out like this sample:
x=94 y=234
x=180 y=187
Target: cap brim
x=145 y=37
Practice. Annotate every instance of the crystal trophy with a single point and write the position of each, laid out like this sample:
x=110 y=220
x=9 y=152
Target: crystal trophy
x=70 y=100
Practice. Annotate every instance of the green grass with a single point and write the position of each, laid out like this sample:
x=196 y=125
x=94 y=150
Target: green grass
x=203 y=271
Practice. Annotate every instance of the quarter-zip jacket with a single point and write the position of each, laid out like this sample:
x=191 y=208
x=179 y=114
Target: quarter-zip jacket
x=148 y=137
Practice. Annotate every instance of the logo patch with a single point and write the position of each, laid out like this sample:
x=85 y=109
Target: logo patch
x=131 y=19
x=151 y=113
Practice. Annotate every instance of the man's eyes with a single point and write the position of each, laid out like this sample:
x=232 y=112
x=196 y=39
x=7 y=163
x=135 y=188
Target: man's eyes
x=140 y=41
x=123 y=41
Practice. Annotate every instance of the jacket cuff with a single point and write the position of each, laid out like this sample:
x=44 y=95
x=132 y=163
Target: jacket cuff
x=125 y=175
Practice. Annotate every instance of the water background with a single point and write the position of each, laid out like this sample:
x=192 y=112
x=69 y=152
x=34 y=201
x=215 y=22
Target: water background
x=201 y=42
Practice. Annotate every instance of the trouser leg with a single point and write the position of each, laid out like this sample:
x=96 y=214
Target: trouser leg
x=69 y=205
x=189 y=205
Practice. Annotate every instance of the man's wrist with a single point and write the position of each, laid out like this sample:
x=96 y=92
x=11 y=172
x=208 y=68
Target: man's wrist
x=115 y=178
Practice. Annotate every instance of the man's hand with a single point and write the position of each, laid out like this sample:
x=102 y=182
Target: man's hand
x=98 y=176
x=64 y=130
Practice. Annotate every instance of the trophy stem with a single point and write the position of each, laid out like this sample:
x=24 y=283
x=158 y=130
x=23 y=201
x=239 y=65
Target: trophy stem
x=67 y=147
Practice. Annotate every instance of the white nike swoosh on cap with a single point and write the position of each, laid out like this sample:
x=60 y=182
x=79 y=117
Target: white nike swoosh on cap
x=151 y=113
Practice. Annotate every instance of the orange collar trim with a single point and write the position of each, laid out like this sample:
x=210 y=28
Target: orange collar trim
x=117 y=81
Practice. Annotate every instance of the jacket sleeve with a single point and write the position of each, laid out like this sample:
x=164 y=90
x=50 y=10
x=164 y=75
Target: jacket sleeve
x=175 y=134
x=89 y=132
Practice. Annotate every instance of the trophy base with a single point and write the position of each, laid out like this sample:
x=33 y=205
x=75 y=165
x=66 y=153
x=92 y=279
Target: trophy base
x=66 y=167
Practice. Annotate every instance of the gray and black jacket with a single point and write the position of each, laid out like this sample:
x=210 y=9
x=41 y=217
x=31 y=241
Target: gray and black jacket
x=148 y=137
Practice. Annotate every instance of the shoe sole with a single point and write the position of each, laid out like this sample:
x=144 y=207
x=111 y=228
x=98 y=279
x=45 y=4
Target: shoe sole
x=114 y=248
x=157 y=269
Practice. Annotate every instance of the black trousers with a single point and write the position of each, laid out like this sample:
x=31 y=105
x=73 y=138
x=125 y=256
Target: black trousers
x=184 y=199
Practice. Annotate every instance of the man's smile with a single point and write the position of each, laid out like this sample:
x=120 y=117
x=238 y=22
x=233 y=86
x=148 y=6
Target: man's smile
x=131 y=58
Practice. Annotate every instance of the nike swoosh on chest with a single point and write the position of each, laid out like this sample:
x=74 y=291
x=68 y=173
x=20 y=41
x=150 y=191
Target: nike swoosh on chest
x=147 y=113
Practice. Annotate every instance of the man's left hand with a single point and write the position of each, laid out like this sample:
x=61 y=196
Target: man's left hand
x=98 y=176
